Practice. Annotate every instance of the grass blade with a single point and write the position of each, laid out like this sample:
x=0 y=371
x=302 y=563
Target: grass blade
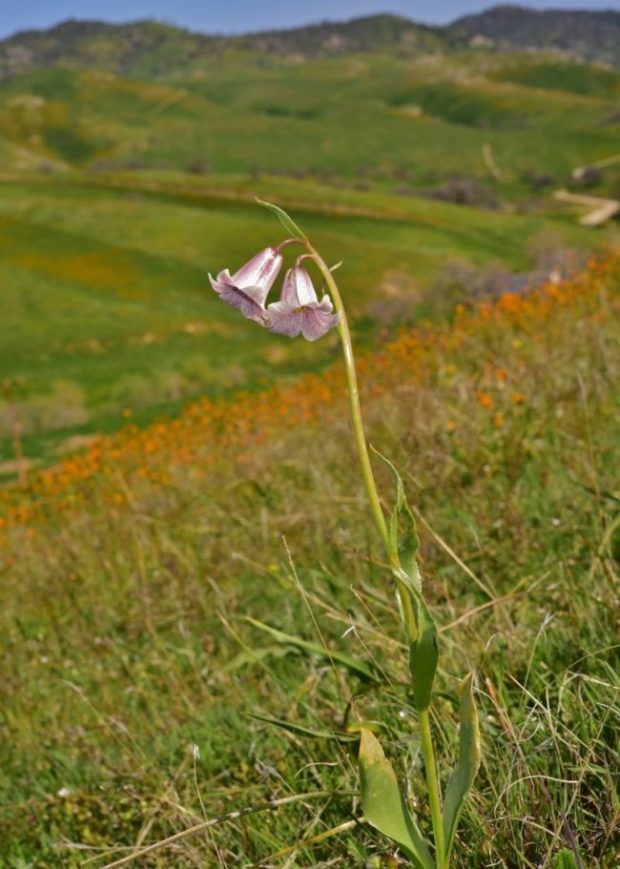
x=356 y=665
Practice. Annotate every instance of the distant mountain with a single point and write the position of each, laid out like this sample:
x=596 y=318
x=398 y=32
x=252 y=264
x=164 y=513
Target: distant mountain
x=152 y=49
x=583 y=34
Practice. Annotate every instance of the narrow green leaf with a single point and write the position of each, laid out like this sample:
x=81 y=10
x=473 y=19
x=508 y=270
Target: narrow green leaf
x=298 y=730
x=245 y=659
x=286 y=220
x=467 y=764
x=383 y=803
x=406 y=542
x=355 y=665
x=423 y=653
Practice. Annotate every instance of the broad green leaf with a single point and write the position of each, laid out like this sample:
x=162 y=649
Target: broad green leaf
x=383 y=803
x=467 y=764
x=407 y=542
x=355 y=665
x=423 y=653
x=565 y=859
x=298 y=730
x=287 y=222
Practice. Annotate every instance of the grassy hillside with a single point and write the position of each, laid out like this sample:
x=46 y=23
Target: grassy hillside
x=153 y=49
x=368 y=119
x=170 y=470
x=120 y=193
x=135 y=680
x=108 y=313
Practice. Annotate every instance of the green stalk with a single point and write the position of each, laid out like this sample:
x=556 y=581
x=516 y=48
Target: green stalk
x=354 y=401
x=434 y=793
x=375 y=506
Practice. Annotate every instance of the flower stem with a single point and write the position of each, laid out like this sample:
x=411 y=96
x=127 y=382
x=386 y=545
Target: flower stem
x=354 y=400
x=432 y=783
x=401 y=579
x=362 y=448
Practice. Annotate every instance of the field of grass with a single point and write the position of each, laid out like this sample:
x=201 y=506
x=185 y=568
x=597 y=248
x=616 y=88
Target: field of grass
x=174 y=478
x=118 y=194
x=135 y=700
x=396 y=122
x=108 y=314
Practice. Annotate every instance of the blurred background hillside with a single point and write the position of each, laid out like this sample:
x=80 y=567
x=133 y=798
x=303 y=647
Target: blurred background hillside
x=169 y=656
x=440 y=162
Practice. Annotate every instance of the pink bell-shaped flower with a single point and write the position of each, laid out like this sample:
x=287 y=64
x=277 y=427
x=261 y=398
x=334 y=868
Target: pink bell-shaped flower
x=248 y=288
x=299 y=310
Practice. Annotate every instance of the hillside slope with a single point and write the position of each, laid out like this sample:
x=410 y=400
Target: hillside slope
x=137 y=698
x=154 y=49
x=588 y=34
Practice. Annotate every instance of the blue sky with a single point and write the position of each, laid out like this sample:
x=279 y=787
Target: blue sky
x=238 y=16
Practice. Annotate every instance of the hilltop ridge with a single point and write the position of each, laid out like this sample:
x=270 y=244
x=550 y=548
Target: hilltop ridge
x=581 y=33
x=153 y=48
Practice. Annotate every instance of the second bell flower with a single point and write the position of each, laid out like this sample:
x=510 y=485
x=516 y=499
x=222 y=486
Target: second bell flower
x=299 y=310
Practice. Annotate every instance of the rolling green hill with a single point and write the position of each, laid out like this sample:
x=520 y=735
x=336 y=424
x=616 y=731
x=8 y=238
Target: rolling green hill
x=120 y=191
x=141 y=693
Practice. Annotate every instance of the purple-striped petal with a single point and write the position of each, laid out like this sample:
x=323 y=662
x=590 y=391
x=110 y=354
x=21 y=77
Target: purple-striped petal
x=250 y=300
x=248 y=288
x=312 y=321
x=316 y=322
x=284 y=319
x=297 y=288
x=260 y=271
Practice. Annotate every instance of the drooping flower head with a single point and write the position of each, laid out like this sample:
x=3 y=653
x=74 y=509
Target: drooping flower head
x=299 y=310
x=248 y=288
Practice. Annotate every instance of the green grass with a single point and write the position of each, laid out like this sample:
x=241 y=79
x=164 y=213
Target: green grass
x=343 y=117
x=106 y=233
x=576 y=78
x=105 y=286
x=125 y=624
x=123 y=615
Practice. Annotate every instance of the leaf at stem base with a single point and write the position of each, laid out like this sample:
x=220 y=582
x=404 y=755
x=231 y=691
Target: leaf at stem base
x=383 y=803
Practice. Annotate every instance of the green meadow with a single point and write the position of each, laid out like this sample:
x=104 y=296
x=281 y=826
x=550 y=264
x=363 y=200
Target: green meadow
x=118 y=195
x=195 y=641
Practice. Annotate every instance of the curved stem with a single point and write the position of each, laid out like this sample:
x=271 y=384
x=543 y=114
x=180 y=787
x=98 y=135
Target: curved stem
x=354 y=401
x=404 y=594
x=362 y=448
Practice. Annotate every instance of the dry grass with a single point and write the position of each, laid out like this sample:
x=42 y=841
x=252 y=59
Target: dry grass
x=129 y=574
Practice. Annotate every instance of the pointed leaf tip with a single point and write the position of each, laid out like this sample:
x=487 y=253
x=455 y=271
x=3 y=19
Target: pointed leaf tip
x=285 y=219
x=467 y=764
x=406 y=542
x=383 y=803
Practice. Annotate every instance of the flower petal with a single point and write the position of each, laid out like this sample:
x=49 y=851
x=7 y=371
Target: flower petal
x=297 y=289
x=284 y=319
x=313 y=321
x=261 y=270
x=316 y=322
x=250 y=300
